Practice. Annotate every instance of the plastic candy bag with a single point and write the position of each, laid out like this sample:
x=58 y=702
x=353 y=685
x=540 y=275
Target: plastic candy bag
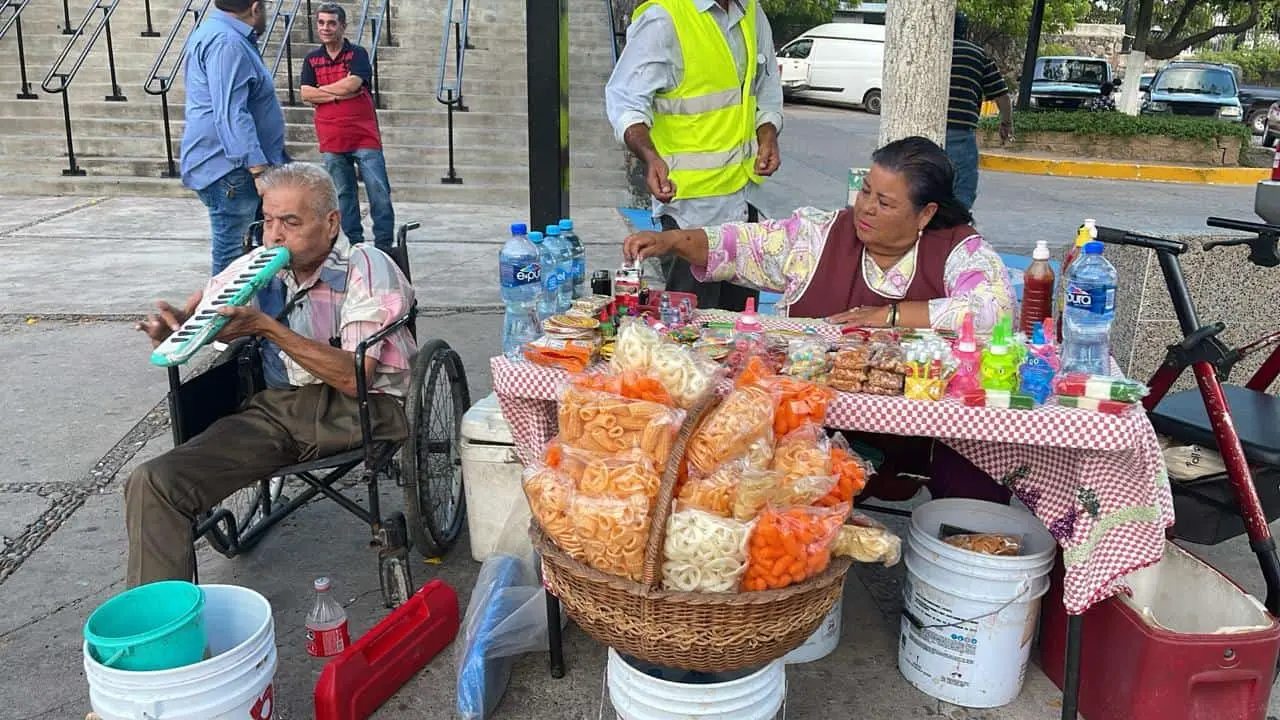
x=729 y=430
x=867 y=541
x=550 y=493
x=790 y=545
x=613 y=533
x=704 y=553
x=806 y=358
x=804 y=452
x=606 y=423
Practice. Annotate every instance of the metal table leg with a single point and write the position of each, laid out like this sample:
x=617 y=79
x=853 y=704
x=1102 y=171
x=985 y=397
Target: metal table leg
x=553 y=633
x=1071 y=672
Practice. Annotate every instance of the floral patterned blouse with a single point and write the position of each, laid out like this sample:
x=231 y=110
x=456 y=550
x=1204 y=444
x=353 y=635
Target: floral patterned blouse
x=781 y=255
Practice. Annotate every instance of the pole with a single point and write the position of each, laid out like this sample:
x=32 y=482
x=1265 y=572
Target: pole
x=1029 y=58
x=66 y=19
x=452 y=178
x=116 y=95
x=150 y=31
x=172 y=170
x=917 y=70
x=72 y=168
x=25 y=93
x=547 y=48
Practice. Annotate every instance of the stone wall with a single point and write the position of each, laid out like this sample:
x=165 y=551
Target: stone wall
x=1222 y=152
x=1091 y=40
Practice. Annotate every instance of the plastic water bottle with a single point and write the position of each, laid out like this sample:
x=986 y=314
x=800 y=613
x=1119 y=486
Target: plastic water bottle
x=549 y=292
x=520 y=276
x=327 y=633
x=1090 y=309
x=564 y=268
x=579 y=258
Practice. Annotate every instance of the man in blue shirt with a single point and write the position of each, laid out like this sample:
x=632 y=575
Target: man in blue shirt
x=234 y=124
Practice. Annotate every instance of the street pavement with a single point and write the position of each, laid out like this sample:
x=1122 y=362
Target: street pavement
x=83 y=407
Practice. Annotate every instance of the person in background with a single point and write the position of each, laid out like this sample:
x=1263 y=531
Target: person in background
x=1105 y=102
x=905 y=255
x=974 y=78
x=335 y=81
x=234 y=125
x=674 y=76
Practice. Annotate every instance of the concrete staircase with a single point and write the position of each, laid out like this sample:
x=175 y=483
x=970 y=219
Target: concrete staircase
x=120 y=145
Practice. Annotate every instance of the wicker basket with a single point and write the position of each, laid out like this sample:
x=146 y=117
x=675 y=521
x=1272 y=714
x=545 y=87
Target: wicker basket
x=707 y=632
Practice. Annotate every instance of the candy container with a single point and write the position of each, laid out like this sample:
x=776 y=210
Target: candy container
x=807 y=358
x=748 y=330
x=967 y=358
x=1035 y=378
x=999 y=399
x=1096 y=387
x=999 y=360
x=1110 y=407
x=929 y=366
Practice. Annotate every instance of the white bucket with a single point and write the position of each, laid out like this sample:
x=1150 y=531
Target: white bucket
x=233 y=684
x=637 y=696
x=823 y=640
x=975 y=615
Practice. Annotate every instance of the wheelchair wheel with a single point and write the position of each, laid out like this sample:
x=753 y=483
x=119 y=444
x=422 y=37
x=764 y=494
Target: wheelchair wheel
x=431 y=459
x=245 y=505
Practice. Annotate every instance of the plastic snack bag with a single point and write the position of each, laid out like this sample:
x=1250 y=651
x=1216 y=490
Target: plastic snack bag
x=806 y=358
x=851 y=473
x=550 y=495
x=867 y=541
x=790 y=545
x=621 y=475
x=804 y=452
x=715 y=492
x=987 y=543
x=606 y=423
x=729 y=430
x=635 y=346
x=687 y=375
x=613 y=532
x=631 y=384
x=704 y=553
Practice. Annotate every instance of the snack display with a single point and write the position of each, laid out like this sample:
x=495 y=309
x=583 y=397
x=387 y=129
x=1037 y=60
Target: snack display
x=729 y=430
x=704 y=553
x=876 y=368
x=790 y=545
x=686 y=375
x=606 y=423
x=612 y=532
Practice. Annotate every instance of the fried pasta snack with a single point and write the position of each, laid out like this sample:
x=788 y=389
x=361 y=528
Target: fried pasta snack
x=606 y=423
x=613 y=533
x=550 y=495
x=729 y=430
x=804 y=452
x=620 y=475
x=868 y=542
x=704 y=553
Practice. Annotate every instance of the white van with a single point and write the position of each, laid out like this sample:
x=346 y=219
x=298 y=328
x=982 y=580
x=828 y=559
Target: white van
x=838 y=63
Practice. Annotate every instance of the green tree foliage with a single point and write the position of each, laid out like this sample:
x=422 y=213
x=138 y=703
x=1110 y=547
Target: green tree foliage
x=997 y=21
x=1177 y=25
x=789 y=18
x=1257 y=63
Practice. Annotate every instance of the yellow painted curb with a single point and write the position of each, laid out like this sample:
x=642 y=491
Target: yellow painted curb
x=1001 y=162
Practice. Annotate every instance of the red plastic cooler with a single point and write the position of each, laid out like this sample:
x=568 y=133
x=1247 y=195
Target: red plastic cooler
x=1188 y=644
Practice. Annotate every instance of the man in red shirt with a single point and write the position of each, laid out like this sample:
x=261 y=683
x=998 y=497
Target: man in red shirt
x=335 y=81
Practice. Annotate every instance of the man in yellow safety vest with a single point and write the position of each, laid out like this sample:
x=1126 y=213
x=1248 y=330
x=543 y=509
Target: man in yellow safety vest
x=697 y=96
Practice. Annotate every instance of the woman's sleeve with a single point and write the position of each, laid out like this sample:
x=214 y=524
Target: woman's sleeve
x=770 y=255
x=976 y=280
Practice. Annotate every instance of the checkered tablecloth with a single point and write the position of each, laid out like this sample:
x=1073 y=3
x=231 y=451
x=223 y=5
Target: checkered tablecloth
x=1097 y=481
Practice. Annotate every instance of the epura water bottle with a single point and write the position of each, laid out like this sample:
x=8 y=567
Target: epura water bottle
x=520 y=276
x=327 y=633
x=1090 y=309
x=579 y=254
x=564 y=268
x=549 y=292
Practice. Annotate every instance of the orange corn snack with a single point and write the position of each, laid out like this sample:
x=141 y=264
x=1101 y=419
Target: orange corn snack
x=851 y=477
x=790 y=545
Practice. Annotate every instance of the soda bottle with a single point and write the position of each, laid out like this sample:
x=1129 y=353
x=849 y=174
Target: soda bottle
x=1087 y=232
x=549 y=294
x=579 y=254
x=520 y=277
x=1037 y=290
x=1091 y=308
x=326 y=624
x=564 y=268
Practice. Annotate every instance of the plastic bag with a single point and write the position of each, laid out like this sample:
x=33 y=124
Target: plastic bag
x=799 y=402
x=613 y=533
x=631 y=384
x=790 y=545
x=704 y=553
x=1100 y=387
x=686 y=376
x=506 y=617
x=804 y=452
x=729 y=430
x=573 y=355
x=851 y=473
x=716 y=491
x=623 y=474
x=849 y=366
x=806 y=358
x=867 y=541
x=606 y=423
x=987 y=543
x=550 y=493
x=633 y=349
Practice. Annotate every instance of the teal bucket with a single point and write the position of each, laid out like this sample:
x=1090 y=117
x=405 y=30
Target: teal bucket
x=157 y=626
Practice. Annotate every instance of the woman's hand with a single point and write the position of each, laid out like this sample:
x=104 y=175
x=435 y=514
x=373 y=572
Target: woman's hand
x=647 y=244
x=862 y=317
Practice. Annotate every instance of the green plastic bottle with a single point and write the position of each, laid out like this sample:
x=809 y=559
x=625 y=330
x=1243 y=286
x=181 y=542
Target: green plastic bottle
x=1000 y=359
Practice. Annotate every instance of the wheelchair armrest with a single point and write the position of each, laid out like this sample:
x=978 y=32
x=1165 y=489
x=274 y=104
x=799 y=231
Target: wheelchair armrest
x=362 y=383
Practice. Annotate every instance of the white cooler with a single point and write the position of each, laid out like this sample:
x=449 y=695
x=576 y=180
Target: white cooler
x=495 y=500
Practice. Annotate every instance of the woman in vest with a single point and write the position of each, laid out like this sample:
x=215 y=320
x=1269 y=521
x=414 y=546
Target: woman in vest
x=905 y=255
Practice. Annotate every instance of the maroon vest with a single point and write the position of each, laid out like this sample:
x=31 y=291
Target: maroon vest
x=838 y=284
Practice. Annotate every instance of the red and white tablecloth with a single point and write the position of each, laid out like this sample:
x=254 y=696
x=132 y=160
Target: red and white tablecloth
x=1097 y=481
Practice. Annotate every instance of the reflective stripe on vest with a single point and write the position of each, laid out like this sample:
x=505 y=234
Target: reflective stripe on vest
x=704 y=128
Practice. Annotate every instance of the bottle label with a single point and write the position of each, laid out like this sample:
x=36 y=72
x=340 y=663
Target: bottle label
x=513 y=276
x=326 y=643
x=553 y=280
x=1099 y=300
x=579 y=270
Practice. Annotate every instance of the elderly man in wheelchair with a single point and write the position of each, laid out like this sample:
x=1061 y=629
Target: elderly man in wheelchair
x=320 y=362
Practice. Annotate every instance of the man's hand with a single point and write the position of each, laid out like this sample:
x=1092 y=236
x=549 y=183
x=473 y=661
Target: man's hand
x=862 y=317
x=256 y=171
x=660 y=185
x=161 y=324
x=768 y=159
x=242 y=322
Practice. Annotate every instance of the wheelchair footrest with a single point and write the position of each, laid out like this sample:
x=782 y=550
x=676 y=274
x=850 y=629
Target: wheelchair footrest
x=362 y=678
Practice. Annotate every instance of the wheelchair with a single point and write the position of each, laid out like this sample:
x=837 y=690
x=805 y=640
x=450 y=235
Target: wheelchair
x=427 y=465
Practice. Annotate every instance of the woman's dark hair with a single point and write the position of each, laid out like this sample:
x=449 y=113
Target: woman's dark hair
x=930 y=178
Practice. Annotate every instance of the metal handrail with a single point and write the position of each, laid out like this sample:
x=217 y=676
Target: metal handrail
x=450 y=94
x=285 y=50
x=614 y=32
x=64 y=79
x=160 y=84
x=15 y=21
x=376 y=17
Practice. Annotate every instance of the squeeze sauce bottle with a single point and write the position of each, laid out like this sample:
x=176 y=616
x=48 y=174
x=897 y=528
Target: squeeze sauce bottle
x=1037 y=290
x=968 y=358
x=999 y=360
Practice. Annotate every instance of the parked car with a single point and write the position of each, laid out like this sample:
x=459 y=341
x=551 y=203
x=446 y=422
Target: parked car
x=1271 y=130
x=838 y=63
x=1068 y=83
x=1257 y=103
x=1144 y=81
x=1194 y=89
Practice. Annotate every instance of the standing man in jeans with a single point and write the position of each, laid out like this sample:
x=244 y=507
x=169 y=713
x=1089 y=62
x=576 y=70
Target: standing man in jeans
x=974 y=78
x=335 y=81
x=234 y=124
x=697 y=96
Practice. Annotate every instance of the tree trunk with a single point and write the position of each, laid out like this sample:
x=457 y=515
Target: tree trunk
x=1130 y=96
x=917 y=70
